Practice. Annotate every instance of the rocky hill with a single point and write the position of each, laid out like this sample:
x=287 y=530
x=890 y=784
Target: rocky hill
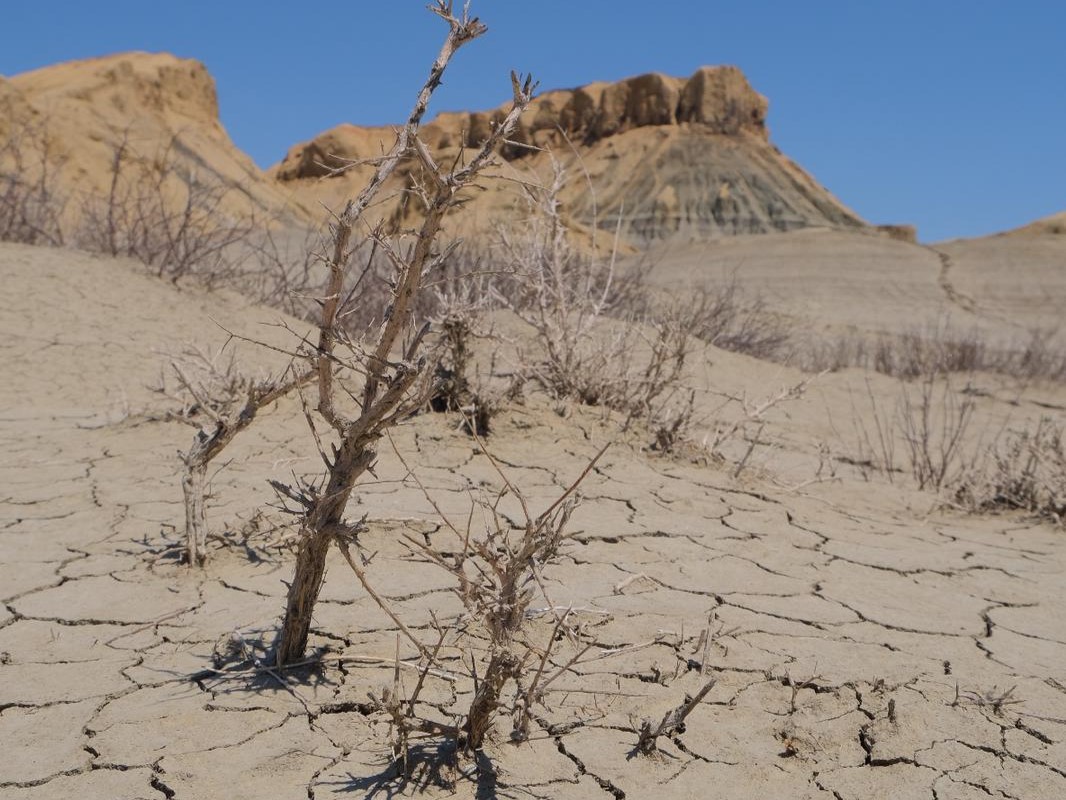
x=662 y=159
x=160 y=105
x=1053 y=225
x=673 y=158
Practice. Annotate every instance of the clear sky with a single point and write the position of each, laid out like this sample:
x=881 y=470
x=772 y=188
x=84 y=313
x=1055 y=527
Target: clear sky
x=949 y=114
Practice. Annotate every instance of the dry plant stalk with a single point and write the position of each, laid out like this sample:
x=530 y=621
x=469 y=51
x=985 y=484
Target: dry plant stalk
x=932 y=419
x=600 y=340
x=167 y=217
x=872 y=452
x=388 y=384
x=220 y=402
x=753 y=414
x=497 y=576
x=648 y=735
x=934 y=427
x=31 y=204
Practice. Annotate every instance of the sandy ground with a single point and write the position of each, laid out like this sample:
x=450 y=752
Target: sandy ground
x=860 y=643
x=836 y=281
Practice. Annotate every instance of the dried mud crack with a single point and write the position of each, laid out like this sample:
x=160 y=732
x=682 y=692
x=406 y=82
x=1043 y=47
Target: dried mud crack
x=860 y=644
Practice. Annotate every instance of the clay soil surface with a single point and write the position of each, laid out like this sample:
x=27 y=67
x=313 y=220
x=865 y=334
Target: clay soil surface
x=864 y=643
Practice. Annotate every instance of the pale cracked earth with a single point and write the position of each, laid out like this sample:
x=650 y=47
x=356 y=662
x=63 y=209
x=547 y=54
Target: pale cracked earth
x=860 y=651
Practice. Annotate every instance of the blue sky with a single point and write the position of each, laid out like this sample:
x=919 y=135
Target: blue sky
x=949 y=114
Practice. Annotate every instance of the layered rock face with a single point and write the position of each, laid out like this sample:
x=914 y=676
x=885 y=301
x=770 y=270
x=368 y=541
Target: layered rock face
x=666 y=158
x=717 y=99
x=670 y=158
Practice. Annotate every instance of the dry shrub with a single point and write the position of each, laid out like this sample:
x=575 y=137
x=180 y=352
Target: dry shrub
x=604 y=338
x=220 y=401
x=165 y=216
x=497 y=567
x=288 y=270
x=1022 y=470
x=388 y=362
x=31 y=203
x=457 y=312
x=934 y=350
x=874 y=444
x=1016 y=469
x=940 y=349
x=179 y=223
x=562 y=293
x=501 y=654
x=1041 y=356
x=933 y=419
x=725 y=316
x=597 y=338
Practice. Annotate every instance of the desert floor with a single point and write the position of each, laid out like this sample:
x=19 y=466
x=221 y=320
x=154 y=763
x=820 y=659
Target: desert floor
x=864 y=645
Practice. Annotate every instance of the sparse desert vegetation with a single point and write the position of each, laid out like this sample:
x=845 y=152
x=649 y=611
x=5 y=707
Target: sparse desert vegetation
x=502 y=511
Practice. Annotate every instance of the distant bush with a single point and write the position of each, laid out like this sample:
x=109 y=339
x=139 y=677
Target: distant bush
x=938 y=350
x=31 y=203
x=1014 y=469
x=165 y=216
x=598 y=338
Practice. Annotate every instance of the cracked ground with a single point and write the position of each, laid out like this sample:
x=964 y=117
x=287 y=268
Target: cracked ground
x=861 y=646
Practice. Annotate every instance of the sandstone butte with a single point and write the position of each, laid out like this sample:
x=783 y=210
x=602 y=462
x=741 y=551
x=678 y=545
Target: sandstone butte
x=673 y=158
x=686 y=158
x=667 y=159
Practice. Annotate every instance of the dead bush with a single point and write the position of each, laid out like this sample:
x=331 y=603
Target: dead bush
x=287 y=270
x=388 y=363
x=219 y=401
x=874 y=438
x=933 y=419
x=563 y=294
x=597 y=338
x=171 y=219
x=921 y=353
x=939 y=349
x=1022 y=470
x=498 y=574
x=32 y=205
x=1040 y=356
x=728 y=318
x=1014 y=469
x=457 y=310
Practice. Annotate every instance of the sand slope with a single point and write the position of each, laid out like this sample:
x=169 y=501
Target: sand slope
x=843 y=622
x=835 y=282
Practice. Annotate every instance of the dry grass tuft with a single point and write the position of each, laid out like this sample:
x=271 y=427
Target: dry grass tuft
x=1022 y=470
